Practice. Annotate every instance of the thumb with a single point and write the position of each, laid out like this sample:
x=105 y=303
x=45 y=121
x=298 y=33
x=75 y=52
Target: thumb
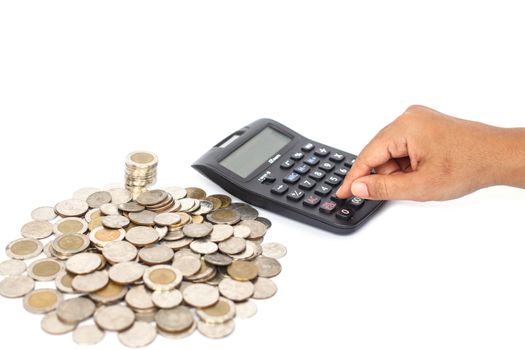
x=386 y=187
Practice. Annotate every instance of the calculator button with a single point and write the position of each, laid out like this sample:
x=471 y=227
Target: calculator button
x=322 y=152
x=326 y=166
x=307 y=184
x=312 y=160
x=323 y=190
x=287 y=164
x=295 y=195
x=338 y=200
x=355 y=202
x=341 y=172
x=292 y=178
x=350 y=162
x=302 y=169
x=311 y=200
x=279 y=189
x=337 y=157
x=297 y=155
x=266 y=177
x=327 y=207
x=317 y=175
x=269 y=179
x=308 y=147
x=344 y=214
x=333 y=180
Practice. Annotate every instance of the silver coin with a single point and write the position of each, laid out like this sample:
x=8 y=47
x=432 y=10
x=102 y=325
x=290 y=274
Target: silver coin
x=197 y=230
x=186 y=204
x=13 y=267
x=167 y=300
x=51 y=324
x=91 y=282
x=45 y=269
x=246 y=254
x=274 y=250
x=204 y=246
x=41 y=301
x=179 y=335
x=115 y=221
x=88 y=335
x=177 y=319
x=43 y=214
x=185 y=252
x=37 y=229
x=236 y=290
x=264 y=221
x=258 y=229
x=153 y=197
x=84 y=263
x=267 y=267
x=109 y=209
x=84 y=193
x=247 y=212
x=264 y=288
x=204 y=208
x=233 y=245
x=162 y=230
x=188 y=265
x=119 y=251
x=138 y=335
x=142 y=235
x=16 y=286
x=216 y=330
x=120 y=195
x=218 y=259
x=131 y=207
x=178 y=244
x=221 y=232
x=174 y=235
x=24 y=248
x=162 y=277
x=201 y=295
x=224 y=216
x=72 y=207
x=176 y=192
x=126 y=272
x=139 y=298
x=73 y=311
x=155 y=255
x=241 y=231
x=114 y=318
x=245 y=309
x=96 y=199
x=167 y=219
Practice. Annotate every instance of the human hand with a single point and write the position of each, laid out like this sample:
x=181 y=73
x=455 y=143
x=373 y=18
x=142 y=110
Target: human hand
x=426 y=155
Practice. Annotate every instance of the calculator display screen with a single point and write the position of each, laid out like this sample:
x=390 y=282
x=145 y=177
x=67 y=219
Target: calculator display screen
x=255 y=151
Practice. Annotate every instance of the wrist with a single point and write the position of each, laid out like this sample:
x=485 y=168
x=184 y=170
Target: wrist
x=507 y=157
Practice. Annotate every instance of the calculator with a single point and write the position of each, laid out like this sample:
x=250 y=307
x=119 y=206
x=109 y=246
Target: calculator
x=273 y=167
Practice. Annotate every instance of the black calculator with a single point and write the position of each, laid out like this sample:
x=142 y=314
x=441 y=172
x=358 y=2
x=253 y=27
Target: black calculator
x=273 y=167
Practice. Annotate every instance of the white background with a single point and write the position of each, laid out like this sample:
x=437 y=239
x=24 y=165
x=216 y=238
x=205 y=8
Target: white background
x=84 y=83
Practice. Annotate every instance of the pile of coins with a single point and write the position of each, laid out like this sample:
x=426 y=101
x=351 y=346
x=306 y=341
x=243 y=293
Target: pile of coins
x=165 y=262
x=141 y=171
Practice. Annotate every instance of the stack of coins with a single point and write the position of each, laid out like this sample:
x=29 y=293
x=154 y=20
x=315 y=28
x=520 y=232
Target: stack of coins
x=168 y=263
x=141 y=171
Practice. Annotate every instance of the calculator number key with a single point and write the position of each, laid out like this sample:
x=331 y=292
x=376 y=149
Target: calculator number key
x=317 y=175
x=333 y=180
x=323 y=190
x=327 y=166
x=341 y=172
x=344 y=214
x=307 y=184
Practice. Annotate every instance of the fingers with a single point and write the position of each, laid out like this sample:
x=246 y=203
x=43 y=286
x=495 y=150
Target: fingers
x=386 y=187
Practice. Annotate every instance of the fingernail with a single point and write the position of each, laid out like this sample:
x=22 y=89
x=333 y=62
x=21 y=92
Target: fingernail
x=359 y=189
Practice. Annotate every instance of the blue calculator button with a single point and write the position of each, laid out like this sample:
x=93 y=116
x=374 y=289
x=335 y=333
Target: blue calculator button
x=312 y=160
x=302 y=169
x=292 y=178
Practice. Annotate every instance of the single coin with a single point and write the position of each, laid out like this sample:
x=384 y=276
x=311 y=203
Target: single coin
x=84 y=263
x=188 y=265
x=13 y=268
x=153 y=197
x=179 y=335
x=204 y=208
x=24 y=248
x=246 y=254
x=41 y=301
x=51 y=324
x=221 y=232
x=142 y=235
x=174 y=235
x=247 y=212
x=224 y=216
x=155 y=255
x=102 y=235
x=43 y=214
x=225 y=200
x=216 y=330
x=197 y=230
x=236 y=290
x=177 y=319
x=195 y=192
x=63 y=282
x=16 y=286
x=232 y=245
x=188 y=204
x=91 y=282
x=138 y=335
x=71 y=243
x=178 y=244
x=96 y=199
x=167 y=300
x=176 y=192
x=222 y=311
x=45 y=269
x=242 y=270
x=162 y=277
x=70 y=225
x=257 y=228
x=265 y=221
x=37 y=229
x=88 y=335
x=139 y=298
x=120 y=195
x=218 y=259
x=241 y=231
x=204 y=246
x=114 y=318
x=215 y=201
x=245 y=309
x=115 y=221
x=201 y=295
x=167 y=219
x=264 y=288
x=274 y=250
x=111 y=293
x=73 y=311
x=126 y=272
x=109 y=209
x=144 y=218
x=206 y=271
x=92 y=214
x=119 y=251
x=131 y=207
x=267 y=267
x=72 y=207
x=84 y=193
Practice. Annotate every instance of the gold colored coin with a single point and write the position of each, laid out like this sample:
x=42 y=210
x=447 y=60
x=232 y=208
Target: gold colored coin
x=24 y=248
x=42 y=301
x=195 y=193
x=45 y=269
x=217 y=203
x=242 y=270
x=225 y=200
